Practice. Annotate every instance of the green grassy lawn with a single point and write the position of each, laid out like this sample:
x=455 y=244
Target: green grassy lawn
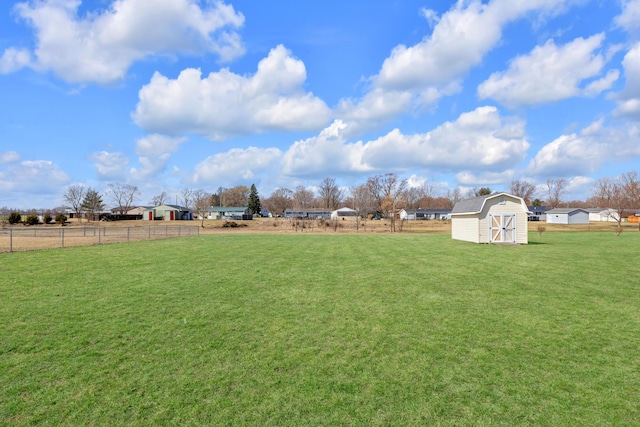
x=323 y=330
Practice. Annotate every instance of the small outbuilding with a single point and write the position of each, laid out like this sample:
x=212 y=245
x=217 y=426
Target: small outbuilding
x=344 y=212
x=495 y=218
x=567 y=216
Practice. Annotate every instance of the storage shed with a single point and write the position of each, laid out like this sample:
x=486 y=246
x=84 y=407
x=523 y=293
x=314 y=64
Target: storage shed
x=567 y=216
x=495 y=218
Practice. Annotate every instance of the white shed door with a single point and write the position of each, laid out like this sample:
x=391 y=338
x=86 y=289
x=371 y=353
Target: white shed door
x=502 y=228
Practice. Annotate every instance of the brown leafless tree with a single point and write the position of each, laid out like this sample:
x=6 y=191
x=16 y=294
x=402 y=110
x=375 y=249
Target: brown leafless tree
x=279 y=201
x=123 y=195
x=160 y=199
x=74 y=196
x=201 y=204
x=302 y=198
x=554 y=189
x=453 y=196
x=330 y=194
x=387 y=190
x=236 y=196
x=522 y=189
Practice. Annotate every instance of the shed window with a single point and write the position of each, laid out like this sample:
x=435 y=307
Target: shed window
x=502 y=200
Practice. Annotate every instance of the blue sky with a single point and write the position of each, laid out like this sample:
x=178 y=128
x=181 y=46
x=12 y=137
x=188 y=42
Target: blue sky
x=174 y=94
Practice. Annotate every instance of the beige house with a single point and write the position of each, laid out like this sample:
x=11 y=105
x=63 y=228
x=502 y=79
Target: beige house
x=496 y=218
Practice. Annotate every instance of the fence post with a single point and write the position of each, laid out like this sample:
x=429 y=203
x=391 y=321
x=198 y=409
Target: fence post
x=128 y=228
x=10 y=240
x=99 y=234
x=62 y=238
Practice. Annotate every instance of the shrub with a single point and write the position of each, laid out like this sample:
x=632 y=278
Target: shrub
x=541 y=229
x=32 y=220
x=48 y=218
x=61 y=219
x=15 y=218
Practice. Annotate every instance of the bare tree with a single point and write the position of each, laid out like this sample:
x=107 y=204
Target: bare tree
x=160 y=199
x=361 y=201
x=453 y=196
x=279 y=201
x=74 y=196
x=413 y=196
x=330 y=194
x=187 y=197
x=554 y=189
x=387 y=190
x=201 y=204
x=610 y=194
x=236 y=196
x=302 y=198
x=522 y=189
x=123 y=195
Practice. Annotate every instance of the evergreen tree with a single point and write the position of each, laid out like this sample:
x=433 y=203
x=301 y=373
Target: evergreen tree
x=254 y=201
x=92 y=203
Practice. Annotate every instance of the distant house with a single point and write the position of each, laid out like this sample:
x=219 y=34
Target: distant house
x=228 y=212
x=603 y=215
x=538 y=213
x=344 y=212
x=311 y=213
x=495 y=218
x=425 y=214
x=167 y=213
x=567 y=216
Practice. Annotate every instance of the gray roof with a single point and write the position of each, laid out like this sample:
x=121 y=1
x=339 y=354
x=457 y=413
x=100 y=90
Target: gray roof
x=471 y=205
x=565 y=210
x=475 y=204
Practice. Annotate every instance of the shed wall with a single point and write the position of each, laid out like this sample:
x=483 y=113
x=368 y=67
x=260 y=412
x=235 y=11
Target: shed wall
x=510 y=206
x=465 y=227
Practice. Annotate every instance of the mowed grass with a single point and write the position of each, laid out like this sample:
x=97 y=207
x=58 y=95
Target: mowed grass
x=323 y=330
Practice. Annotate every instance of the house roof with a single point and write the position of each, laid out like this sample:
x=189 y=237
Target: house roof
x=476 y=204
x=430 y=210
x=565 y=210
x=227 y=209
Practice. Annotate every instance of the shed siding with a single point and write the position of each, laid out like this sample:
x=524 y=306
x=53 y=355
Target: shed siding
x=510 y=206
x=465 y=227
x=474 y=227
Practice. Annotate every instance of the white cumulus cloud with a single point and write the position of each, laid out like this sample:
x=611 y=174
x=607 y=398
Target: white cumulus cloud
x=481 y=138
x=110 y=166
x=14 y=59
x=629 y=98
x=100 y=46
x=417 y=76
x=551 y=73
x=236 y=166
x=36 y=176
x=225 y=104
x=629 y=19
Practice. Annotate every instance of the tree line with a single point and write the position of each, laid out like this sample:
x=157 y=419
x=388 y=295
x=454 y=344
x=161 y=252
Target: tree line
x=380 y=194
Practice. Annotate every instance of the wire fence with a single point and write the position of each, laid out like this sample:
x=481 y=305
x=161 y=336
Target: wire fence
x=13 y=239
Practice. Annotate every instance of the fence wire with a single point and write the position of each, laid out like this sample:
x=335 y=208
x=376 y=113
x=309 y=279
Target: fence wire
x=14 y=239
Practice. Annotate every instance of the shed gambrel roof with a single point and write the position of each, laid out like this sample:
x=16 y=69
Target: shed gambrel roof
x=475 y=204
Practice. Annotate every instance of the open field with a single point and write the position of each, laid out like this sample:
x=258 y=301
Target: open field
x=323 y=329
x=51 y=236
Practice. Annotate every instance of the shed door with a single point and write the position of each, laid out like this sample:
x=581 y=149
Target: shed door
x=502 y=228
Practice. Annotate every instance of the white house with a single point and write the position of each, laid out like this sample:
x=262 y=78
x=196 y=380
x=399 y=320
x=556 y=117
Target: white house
x=227 y=212
x=416 y=214
x=495 y=218
x=604 y=215
x=567 y=216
